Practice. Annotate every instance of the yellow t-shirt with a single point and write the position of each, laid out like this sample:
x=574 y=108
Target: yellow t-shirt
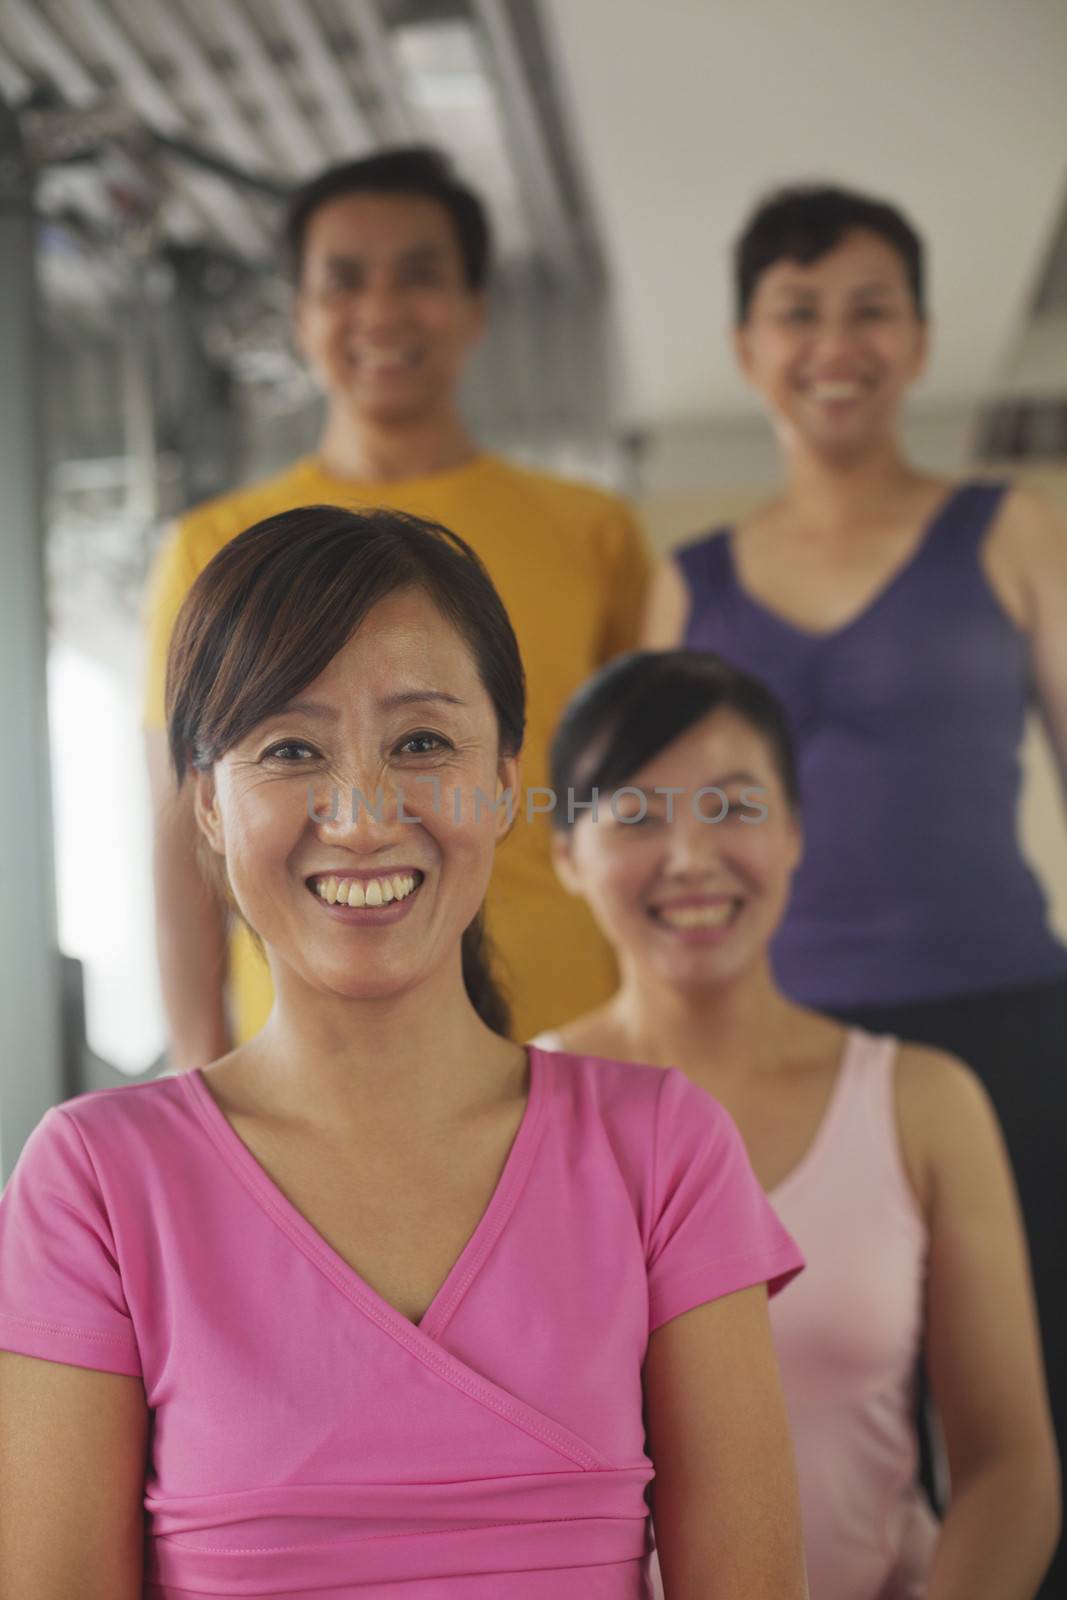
x=571 y=567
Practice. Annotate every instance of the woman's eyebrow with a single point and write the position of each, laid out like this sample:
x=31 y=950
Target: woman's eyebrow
x=403 y=697
x=411 y=697
x=734 y=777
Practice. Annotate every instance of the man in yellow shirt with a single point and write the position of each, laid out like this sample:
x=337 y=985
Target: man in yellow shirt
x=390 y=259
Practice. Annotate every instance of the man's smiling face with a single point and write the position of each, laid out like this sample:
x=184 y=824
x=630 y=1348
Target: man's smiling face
x=384 y=314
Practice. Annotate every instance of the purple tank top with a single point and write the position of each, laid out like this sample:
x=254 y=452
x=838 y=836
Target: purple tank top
x=908 y=722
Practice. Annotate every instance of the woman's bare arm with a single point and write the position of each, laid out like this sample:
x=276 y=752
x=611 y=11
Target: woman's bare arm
x=724 y=1505
x=982 y=1342
x=1032 y=536
x=667 y=608
x=73 y=1447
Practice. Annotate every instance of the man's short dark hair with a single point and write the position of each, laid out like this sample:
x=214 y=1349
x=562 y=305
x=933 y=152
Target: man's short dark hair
x=413 y=169
x=803 y=222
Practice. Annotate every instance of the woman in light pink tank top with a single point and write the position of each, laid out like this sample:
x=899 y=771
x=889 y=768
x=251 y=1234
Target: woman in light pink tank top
x=677 y=819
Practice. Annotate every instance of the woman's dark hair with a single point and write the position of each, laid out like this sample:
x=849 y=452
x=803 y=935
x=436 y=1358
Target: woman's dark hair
x=639 y=704
x=804 y=222
x=411 y=169
x=270 y=612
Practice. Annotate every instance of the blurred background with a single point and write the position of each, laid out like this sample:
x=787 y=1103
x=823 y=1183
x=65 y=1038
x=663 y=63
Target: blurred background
x=145 y=147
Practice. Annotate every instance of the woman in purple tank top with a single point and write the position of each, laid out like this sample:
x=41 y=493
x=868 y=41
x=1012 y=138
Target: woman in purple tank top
x=884 y=1161
x=908 y=625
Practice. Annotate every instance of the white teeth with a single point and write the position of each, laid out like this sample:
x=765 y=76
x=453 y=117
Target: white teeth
x=697 y=916
x=378 y=362
x=836 y=390
x=353 y=892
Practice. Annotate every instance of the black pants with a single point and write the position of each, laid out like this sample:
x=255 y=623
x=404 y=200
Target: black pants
x=1016 y=1041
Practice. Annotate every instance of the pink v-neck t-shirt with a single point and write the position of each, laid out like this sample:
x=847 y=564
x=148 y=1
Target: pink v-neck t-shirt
x=307 y=1439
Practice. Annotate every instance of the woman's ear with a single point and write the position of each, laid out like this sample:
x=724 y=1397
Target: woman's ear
x=563 y=861
x=922 y=350
x=742 y=350
x=507 y=782
x=796 y=842
x=206 y=810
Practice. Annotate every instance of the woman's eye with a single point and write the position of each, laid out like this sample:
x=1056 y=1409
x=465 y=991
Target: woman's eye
x=424 y=744
x=278 y=751
x=873 y=313
x=799 y=314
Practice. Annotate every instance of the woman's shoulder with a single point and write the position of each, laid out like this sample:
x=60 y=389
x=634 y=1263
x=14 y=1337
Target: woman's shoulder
x=639 y=1102
x=942 y=1109
x=122 y=1126
x=1028 y=549
x=932 y=1087
x=581 y=1071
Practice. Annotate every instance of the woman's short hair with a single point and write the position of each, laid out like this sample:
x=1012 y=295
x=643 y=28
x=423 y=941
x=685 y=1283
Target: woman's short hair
x=639 y=704
x=273 y=608
x=805 y=221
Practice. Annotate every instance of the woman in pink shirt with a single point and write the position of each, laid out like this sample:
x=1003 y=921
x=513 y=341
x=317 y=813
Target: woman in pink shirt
x=381 y=1303
x=884 y=1162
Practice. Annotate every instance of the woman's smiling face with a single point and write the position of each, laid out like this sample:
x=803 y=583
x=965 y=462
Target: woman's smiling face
x=401 y=716
x=691 y=900
x=832 y=345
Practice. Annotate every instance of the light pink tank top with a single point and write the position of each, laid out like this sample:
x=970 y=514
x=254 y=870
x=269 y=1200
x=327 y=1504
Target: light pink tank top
x=847 y=1332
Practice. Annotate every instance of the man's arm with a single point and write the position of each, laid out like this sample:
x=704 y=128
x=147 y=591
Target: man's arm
x=190 y=922
x=626 y=568
x=667 y=608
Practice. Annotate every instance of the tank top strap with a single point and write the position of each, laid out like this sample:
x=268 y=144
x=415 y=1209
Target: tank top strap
x=964 y=520
x=866 y=1136
x=705 y=563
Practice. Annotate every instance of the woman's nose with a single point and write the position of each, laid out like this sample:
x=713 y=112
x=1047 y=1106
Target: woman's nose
x=695 y=842
x=352 y=812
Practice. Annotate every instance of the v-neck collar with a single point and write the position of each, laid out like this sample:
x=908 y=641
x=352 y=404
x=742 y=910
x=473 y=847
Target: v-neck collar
x=470 y=1259
x=895 y=580
x=827 y=1126
x=419 y=1340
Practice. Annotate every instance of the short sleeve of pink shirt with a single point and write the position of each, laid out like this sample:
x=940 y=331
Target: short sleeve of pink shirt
x=713 y=1230
x=62 y=1296
x=308 y=1439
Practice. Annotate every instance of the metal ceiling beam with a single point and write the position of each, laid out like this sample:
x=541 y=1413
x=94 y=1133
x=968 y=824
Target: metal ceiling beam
x=519 y=116
x=349 y=128
x=375 y=46
x=297 y=140
x=223 y=120
x=40 y=43
x=33 y=36
x=15 y=86
x=226 y=212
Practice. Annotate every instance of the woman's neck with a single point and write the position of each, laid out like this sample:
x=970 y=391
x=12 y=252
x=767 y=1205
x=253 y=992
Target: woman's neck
x=358 y=448
x=348 y=1064
x=740 y=1026
x=846 y=493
